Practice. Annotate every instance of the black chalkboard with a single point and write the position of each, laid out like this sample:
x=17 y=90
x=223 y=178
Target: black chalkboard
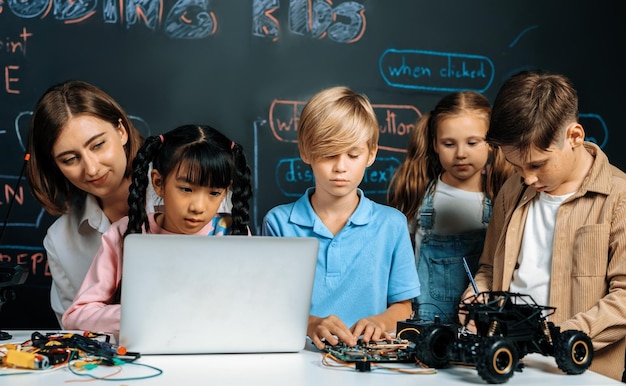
x=247 y=67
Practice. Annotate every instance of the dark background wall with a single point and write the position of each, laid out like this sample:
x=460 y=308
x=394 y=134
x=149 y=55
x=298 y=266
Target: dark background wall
x=247 y=67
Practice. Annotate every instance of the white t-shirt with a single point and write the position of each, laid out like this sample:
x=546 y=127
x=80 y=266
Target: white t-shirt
x=534 y=263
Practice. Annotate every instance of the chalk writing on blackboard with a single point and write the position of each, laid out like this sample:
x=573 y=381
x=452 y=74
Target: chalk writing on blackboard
x=436 y=71
x=318 y=19
x=521 y=34
x=26 y=212
x=196 y=19
x=13 y=47
x=32 y=258
x=187 y=22
x=264 y=24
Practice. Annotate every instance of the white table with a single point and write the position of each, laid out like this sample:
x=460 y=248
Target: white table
x=302 y=368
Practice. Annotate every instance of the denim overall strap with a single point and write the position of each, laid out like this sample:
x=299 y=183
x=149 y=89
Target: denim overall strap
x=426 y=214
x=487 y=205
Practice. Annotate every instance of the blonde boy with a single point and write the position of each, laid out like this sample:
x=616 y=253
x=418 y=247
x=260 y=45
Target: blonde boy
x=366 y=275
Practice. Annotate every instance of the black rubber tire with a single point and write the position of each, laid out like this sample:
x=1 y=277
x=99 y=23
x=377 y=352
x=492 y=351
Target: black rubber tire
x=573 y=351
x=497 y=360
x=433 y=344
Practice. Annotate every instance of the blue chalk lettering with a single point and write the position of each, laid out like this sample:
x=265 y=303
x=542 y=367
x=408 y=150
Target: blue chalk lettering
x=413 y=69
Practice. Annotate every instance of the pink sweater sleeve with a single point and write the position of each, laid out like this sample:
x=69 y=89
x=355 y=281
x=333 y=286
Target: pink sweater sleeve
x=91 y=309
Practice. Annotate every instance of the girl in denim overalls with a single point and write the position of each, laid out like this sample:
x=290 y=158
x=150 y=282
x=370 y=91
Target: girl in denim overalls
x=445 y=187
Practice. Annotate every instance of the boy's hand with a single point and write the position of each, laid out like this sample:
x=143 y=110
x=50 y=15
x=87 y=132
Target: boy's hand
x=463 y=314
x=468 y=324
x=369 y=330
x=331 y=329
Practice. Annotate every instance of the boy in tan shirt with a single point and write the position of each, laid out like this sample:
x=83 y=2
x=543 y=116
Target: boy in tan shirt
x=558 y=229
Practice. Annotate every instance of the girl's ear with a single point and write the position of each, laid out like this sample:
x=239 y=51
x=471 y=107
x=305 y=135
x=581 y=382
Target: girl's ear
x=157 y=182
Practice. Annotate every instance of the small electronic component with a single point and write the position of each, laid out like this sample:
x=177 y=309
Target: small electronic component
x=74 y=351
x=45 y=351
x=395 y=350
x=26 y=360
x=86 y=343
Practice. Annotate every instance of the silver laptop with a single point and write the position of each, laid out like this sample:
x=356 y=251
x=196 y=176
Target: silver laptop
x=186 y=294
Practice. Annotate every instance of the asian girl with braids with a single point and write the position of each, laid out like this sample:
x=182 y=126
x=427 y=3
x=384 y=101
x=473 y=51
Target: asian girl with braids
x=193 y=168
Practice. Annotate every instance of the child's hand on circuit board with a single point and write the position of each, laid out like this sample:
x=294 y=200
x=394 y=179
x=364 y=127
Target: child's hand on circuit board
x=329 y=330
x=369 y=330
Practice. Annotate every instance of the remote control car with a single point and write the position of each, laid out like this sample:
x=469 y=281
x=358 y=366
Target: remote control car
x=508 y=326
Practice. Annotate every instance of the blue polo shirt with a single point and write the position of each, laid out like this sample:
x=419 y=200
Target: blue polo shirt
x=360 y=271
